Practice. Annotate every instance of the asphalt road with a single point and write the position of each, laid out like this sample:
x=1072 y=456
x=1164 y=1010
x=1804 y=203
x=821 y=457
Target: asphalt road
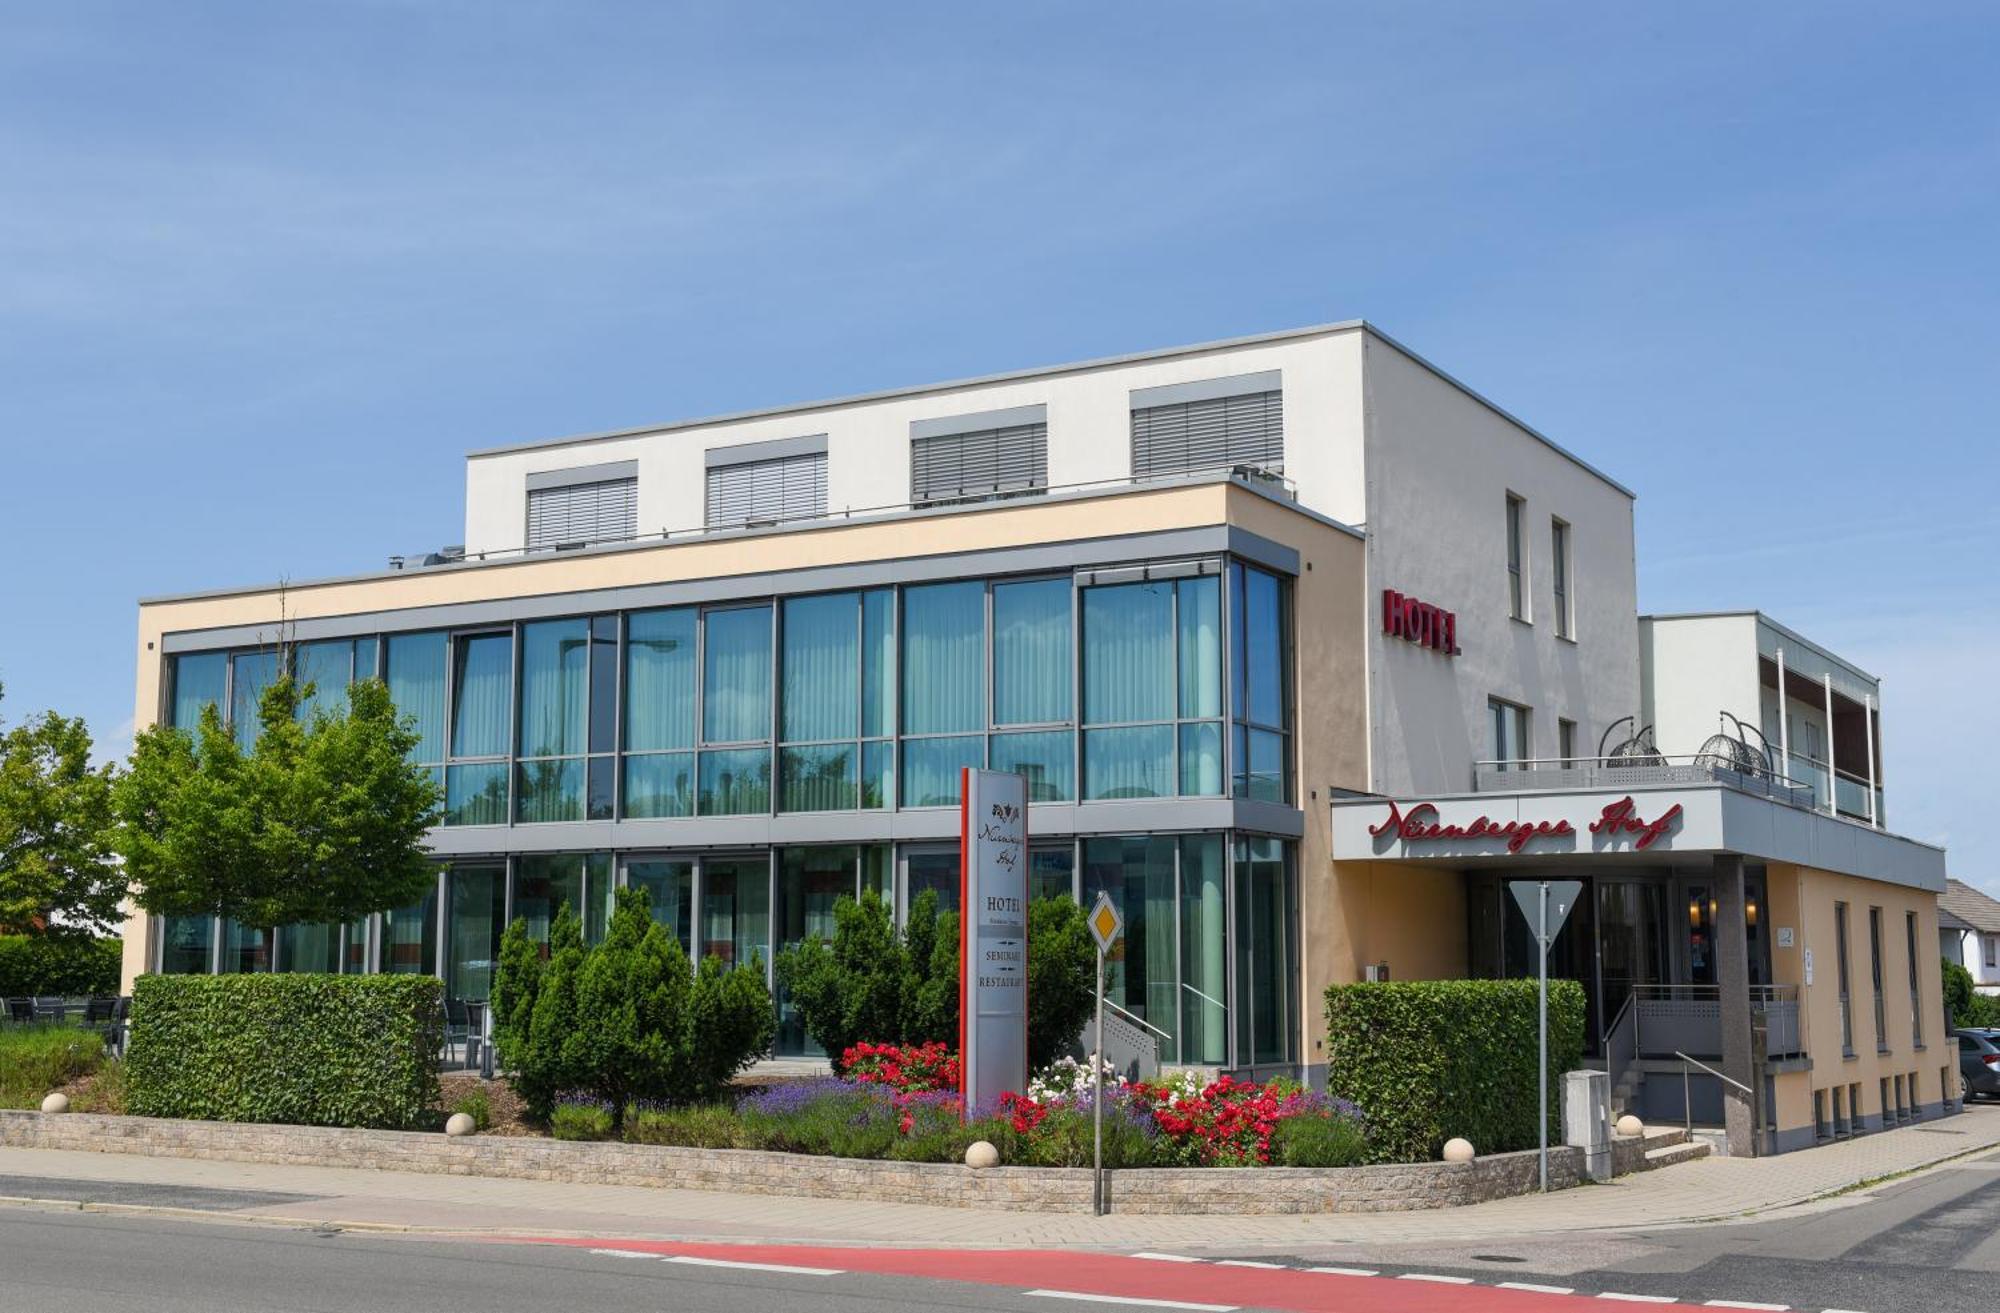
x=1930 y=1244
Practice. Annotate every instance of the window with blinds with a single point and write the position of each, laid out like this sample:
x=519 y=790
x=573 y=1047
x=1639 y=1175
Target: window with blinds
x=767 y=491
x=1210 y=433
x=981 y=463
x=583 y=512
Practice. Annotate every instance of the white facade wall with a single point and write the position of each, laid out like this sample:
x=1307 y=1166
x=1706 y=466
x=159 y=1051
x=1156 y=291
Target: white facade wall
x=868 y=441
x=1373 y=438
x=1440 y=465
x=1696 y=667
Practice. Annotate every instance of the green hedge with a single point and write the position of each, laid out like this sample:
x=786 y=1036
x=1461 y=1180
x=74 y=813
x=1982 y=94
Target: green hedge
x=305 y=1050
x=1427 y=1060
x=72 y=966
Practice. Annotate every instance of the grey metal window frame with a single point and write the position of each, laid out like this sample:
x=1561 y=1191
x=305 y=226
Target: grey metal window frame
x=1560 y=561
x=1517 y=558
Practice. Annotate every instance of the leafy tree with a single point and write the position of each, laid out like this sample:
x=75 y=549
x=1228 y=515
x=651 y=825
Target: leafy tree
x=626 y=1021
x=849 y=988
x=1958 y=994
x=1062 y=978
x=869 y=983
x=323 y=820
x=58 y=873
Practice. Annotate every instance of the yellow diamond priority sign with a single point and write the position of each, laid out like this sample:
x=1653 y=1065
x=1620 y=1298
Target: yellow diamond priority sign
x=1105 y=923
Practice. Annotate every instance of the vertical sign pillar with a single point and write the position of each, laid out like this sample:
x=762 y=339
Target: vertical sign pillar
x=993 y=936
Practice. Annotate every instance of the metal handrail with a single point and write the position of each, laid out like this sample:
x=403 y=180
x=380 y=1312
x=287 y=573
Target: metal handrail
x=1727 y=1080
x=1233 y=472
x=1687 y=1092
x=1137 y=1021
x=1528 y=765
x=1203 y=997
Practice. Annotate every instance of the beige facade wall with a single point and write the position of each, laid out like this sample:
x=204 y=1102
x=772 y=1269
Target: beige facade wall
x=1329 y=746
x=1804 y=900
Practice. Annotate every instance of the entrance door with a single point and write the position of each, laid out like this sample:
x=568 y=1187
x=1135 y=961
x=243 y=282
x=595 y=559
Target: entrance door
x=736 y=909
x=1631 y=940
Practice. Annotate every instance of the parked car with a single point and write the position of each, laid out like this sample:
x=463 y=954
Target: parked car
x=1979 y=1062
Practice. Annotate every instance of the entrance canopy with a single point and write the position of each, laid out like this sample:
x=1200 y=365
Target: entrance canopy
x=1639 y=825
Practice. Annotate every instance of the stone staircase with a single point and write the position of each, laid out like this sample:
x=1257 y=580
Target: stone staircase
x=1664 y=1148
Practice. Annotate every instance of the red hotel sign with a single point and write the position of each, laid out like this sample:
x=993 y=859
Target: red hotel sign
x=1419 y=622
x=1420 y=824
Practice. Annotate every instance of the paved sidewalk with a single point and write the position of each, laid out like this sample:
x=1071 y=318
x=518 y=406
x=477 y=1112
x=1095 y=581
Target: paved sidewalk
x=1708 y=1189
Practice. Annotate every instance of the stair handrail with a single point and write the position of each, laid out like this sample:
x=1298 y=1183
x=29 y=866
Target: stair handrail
x=1687 y=1102
x=1137 y=1021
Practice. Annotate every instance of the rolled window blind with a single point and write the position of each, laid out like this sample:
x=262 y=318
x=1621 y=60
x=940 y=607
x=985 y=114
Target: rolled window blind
x=980 y=463
x=786 y=488
x=1212 y=434
x=583 y=512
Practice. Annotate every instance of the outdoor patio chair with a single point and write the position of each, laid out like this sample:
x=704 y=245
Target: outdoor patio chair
x=20 y=1011
x=50 y=1007
x=457 y=1030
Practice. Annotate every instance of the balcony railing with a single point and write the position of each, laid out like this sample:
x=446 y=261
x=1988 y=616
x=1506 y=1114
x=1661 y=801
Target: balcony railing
x=1612 y=773
x=1253 y=476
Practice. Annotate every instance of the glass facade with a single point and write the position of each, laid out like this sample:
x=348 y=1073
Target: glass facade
x=1143 y=683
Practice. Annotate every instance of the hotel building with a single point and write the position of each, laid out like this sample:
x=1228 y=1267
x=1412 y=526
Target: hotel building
x=1229 y=608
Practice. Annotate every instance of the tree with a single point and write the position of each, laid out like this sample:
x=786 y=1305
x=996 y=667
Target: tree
x=626 y=1021
x=59 y=876
x=869 y=983
x=323 y=820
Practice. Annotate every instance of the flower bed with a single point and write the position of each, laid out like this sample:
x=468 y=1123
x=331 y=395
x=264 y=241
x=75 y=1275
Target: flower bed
x=901 y=1103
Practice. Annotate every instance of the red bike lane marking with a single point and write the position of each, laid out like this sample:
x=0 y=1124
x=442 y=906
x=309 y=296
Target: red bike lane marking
x=1291 y=1289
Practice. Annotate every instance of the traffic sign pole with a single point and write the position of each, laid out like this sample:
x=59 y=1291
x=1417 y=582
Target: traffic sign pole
x=1545 y=905
x=1542 y=1067
x=1105 y=926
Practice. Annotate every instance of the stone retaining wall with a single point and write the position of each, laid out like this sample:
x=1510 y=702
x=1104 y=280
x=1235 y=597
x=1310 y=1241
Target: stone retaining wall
x=1024 y=1189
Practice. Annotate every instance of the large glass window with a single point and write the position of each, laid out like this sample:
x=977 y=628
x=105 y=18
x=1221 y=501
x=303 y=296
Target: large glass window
x=250 y=674
x=1260 y=683
x=186 y=945
x=1138 y=873
x=409 y=938
x=568 y=707
x=669 y=887
x=819 y=713
x=545 y=883
x=810 y=881
x=325 y=668
x=416 y=675
x=309 y=949
x=736 y=709
x=660 y=682
x=736 y=909
x=944 y=674
x=1204 y=950
x=482 y=696
x=1152 y=679
x=245 y=949
x=1266 y=950
x=199 y=680
x=477 y=911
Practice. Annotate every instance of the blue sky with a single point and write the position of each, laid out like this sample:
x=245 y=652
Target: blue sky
x=267 y=272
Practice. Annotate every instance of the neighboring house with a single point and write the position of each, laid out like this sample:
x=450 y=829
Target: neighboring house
x=1969 y=933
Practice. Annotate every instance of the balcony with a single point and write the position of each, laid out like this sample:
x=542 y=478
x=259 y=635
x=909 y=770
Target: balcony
x=1579 y=774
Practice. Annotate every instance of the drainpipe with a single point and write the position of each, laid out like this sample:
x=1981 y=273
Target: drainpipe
x=1832 y=771
x=1868 y=718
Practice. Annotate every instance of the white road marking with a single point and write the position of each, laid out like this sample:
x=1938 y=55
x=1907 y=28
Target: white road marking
x=1133 y=1299
x=625 y=1253
x=1425 y=1276
x=1537 y=1289
x=1636 y=1299
x=755 y=1267
x=1346 y=1271
x=1168 y=1258
x=1248 y=1262
x=1744 y=1303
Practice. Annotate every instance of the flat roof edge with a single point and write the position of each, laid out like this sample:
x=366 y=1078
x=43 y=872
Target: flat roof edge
x=922 y=389
x=802 y=526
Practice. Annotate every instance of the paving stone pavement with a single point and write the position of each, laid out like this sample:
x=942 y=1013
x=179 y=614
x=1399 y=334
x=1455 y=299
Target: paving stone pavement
x=1704 y=1190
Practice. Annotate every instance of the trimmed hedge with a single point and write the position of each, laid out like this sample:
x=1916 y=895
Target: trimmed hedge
x=73 y=966
x=1431 y=1059
x=303 y=1050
